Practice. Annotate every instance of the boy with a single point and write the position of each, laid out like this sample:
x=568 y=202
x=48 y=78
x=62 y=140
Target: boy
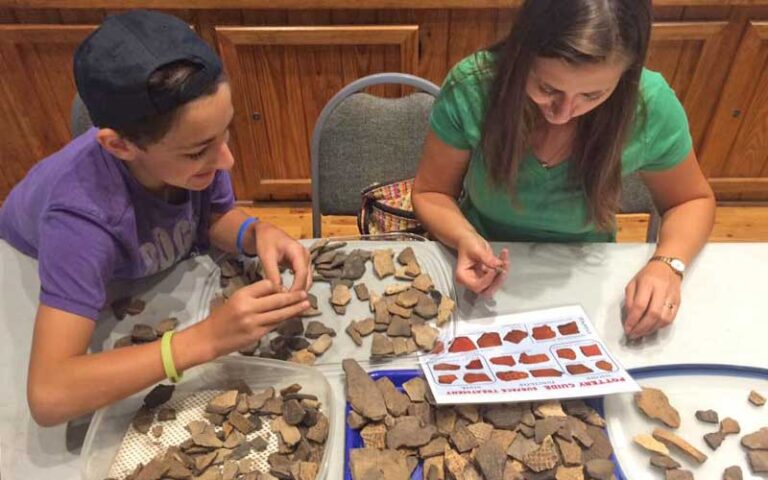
x=130 y=198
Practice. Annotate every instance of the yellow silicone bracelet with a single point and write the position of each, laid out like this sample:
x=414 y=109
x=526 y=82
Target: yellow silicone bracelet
x=167 y=356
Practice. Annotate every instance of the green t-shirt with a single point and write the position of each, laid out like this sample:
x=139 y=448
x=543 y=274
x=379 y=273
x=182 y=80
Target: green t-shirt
x=548 y=207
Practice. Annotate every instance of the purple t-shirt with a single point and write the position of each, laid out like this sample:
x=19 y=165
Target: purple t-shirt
x=88 y=221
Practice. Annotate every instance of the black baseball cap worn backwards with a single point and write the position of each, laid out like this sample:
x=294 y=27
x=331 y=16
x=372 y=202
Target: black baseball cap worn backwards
x=113 y=65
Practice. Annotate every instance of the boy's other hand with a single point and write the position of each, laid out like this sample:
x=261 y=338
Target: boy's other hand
x=250 y=313
x=274 y=247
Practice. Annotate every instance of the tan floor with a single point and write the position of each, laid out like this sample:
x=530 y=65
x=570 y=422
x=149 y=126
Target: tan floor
x=732 y=224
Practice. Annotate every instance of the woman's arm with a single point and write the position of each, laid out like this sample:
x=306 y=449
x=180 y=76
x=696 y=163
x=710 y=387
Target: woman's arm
x=436 y=189
x=687 y=205
x=65 y=381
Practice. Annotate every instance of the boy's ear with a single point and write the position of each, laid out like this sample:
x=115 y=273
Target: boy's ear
x=111 y=141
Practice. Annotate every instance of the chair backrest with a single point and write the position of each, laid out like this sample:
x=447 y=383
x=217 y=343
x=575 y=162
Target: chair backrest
x=635 y=198
x=79 y=119
x=360 y=139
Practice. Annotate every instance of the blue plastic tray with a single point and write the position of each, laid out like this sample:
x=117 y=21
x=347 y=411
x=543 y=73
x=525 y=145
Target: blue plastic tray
x=399 y=377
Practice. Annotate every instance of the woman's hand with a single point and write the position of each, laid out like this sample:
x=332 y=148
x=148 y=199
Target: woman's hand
x=274 y=246
x=478 y=268
x=652 y=300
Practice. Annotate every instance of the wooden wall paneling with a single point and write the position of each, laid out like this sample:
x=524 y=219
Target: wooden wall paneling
x=736 y=128
x=7 y=15
x=505 y=20
x=749 y=156
x=693 y=57
x=206 y=21
x=36 y=95
x=90 y=16
x=47 y=15
x=668 y=13
x=283 y=74
x=717 y=55
x=432 y=43
x=470 y=30
x=434 y=28
x=249 y=145
x=707 y=13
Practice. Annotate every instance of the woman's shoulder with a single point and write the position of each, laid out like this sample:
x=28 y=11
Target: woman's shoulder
x=655 y=92
x=475 y=70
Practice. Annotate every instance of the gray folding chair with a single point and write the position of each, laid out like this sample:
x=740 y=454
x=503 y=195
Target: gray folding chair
x=360 y=139
x=635 y=198
x=79 y=119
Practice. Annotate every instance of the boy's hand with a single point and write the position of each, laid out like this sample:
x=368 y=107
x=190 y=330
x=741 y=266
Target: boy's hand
x=274 y=247
x=249 y=314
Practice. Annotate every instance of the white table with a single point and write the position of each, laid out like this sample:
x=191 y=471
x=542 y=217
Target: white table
x=722 y=319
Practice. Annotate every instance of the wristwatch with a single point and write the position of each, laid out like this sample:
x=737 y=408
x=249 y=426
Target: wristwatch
x=674 y=263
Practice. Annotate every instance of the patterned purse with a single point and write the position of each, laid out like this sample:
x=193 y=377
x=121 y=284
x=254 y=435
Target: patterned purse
x=387 y=208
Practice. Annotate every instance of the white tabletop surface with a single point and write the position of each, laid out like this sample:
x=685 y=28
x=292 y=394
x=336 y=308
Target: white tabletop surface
x=722 y=320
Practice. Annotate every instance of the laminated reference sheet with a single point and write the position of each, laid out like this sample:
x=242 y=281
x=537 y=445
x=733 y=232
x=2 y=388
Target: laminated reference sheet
x=539 y=355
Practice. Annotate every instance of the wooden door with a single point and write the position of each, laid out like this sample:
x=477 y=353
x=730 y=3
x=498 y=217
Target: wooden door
x=691 y=56
x=282 y=77
x=36 y=91
x=735 y=154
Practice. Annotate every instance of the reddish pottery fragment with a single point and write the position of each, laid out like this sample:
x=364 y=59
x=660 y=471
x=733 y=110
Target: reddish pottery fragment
x=511 y=376
x=529 y=359
x=476 y=377
x=578 y=369
x=546 y=372
x=462 y=344
x=474 y=365
x=445 y=366
x=515 y=336
x=566 y=353
x=507 y=360
x=603 y=365
x=488 y=340
x=446 y=379
x=570 y=328
x=543 y=332
x=590 y=350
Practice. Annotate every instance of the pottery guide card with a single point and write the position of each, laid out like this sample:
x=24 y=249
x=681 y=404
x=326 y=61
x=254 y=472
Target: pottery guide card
x=539 y=355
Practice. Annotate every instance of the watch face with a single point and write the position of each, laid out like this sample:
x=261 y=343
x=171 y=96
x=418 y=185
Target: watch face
x=677 y=265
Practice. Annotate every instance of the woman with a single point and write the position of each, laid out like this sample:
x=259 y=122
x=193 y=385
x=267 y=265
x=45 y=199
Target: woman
x=538 y=132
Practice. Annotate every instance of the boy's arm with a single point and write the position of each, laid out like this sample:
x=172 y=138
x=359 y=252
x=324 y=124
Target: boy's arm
x=271 y=244
x=65 y=381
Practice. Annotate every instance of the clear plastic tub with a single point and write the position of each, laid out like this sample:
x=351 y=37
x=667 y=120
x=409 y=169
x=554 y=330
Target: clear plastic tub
x=112 y=444
x=431 y=262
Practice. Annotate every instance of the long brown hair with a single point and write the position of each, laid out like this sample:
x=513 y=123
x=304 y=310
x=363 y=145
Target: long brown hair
x=580 y=32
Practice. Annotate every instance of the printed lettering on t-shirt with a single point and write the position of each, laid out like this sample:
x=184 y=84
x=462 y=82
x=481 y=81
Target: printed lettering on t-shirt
x=166 y=249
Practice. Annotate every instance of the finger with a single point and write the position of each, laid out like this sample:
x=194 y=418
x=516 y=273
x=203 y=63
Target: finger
x=501 y=276
x=299 y=259
x=278 y=315
x=280 y=300
x=473 y=280
x=259 y=289
x=489 y=259
x=651 y=317
x=637 y=307
x=270 y=260
x=668 y=313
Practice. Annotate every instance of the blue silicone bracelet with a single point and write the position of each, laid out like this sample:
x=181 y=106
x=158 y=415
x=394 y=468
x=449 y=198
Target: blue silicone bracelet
x=241 y=234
